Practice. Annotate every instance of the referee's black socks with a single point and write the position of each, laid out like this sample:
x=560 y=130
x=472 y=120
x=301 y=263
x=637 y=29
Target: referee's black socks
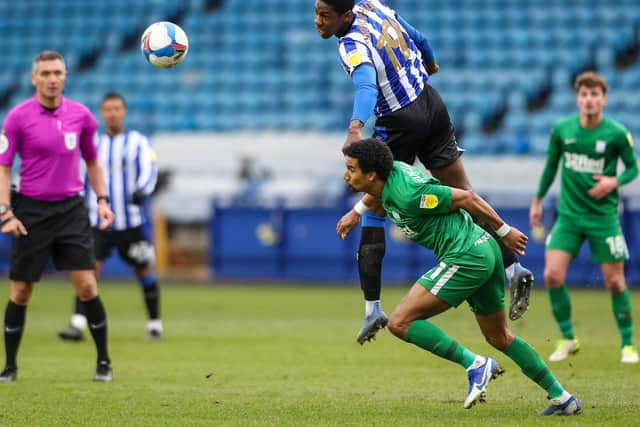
x=14 y=317
x=97 y=320
x=79 y=307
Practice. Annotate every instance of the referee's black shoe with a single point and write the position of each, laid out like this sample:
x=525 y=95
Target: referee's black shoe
x=71 y=334
x=103 y=372
x=9 y=374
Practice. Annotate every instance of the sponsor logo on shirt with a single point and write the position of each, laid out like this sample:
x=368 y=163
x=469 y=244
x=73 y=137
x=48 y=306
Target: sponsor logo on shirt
x=583 y=163
x=629 y=139
x=483 y=239
x=4 y=143
x=406 y=230
x=428 y=201
x=70 y=140
x=601 y=146
x=568 y=141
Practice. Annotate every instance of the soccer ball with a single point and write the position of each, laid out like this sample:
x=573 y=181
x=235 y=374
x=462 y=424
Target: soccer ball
x=164 y=44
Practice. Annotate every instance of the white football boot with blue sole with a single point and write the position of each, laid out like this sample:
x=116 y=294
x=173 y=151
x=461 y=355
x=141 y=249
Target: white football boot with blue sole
x=479 y=379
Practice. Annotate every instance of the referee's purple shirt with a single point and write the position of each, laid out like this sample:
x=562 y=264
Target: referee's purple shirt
x=49 y=144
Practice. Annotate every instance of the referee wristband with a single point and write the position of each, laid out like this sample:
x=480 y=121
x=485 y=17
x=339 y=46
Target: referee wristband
x=503 y=230
x=360 y=207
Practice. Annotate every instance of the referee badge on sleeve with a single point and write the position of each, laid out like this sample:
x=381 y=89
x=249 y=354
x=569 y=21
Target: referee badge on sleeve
x=4 y=143
x=70 y=140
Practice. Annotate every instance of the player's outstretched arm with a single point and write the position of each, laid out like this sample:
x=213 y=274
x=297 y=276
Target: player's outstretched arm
x=364 y=102
x=513 y=238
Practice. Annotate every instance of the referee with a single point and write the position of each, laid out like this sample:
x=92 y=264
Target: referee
x=46 y=216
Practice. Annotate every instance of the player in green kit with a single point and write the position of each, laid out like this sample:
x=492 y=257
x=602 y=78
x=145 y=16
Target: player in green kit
x=470 y=269
x=588 y=145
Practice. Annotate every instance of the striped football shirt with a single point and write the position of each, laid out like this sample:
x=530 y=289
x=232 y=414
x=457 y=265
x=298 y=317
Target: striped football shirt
x=377 y=38
x=129 y=164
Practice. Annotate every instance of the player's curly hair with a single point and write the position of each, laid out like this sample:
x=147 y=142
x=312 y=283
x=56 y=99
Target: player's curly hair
x=340 y=6
x=372 y=155
x=590 y=79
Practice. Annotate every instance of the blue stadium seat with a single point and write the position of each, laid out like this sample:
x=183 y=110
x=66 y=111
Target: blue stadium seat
x=248 y=58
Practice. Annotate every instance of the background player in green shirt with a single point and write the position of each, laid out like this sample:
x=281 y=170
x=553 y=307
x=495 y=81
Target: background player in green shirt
x=440 y=218
x=588 y=145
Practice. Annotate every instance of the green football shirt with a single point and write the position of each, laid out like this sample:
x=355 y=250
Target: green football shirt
x=419 y=206
x=584 y=153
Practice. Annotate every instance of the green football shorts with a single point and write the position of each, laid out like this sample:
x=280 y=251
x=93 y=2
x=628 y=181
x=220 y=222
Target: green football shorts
x=476 y=276
x=606 y=240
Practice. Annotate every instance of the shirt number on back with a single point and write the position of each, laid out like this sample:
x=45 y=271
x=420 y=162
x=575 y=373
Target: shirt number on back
x=392 y=38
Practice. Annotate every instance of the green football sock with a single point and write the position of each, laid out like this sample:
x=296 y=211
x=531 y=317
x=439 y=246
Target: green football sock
x=621 y=304
x=533 y=366
x=428 y=336
x=561 y=308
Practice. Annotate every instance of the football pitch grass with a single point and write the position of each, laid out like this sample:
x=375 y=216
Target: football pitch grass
x=287 y=356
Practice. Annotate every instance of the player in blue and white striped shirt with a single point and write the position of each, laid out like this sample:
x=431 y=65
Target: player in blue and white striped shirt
x=130 y=175
x=389 y=62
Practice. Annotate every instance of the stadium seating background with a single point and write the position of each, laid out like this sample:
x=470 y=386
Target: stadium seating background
x=259 y=66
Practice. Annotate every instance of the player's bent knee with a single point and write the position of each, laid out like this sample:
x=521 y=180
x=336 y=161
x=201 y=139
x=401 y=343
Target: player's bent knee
x=20 y=298
x=87 y=290
x=398 y=325
x=553 y=279
x=500 y=341
x=21 y=293
x=615 y=286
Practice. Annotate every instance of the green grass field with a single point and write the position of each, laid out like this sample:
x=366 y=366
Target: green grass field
x=286 y=356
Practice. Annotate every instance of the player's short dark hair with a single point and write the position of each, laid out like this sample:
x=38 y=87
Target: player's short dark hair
x=47 y=55
x=372 y=155
x=590 y=79
x=113 y=95
x=340 y=6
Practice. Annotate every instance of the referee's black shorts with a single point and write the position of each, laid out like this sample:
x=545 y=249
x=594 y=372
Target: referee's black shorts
x=59 y=230
x=421 y=129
